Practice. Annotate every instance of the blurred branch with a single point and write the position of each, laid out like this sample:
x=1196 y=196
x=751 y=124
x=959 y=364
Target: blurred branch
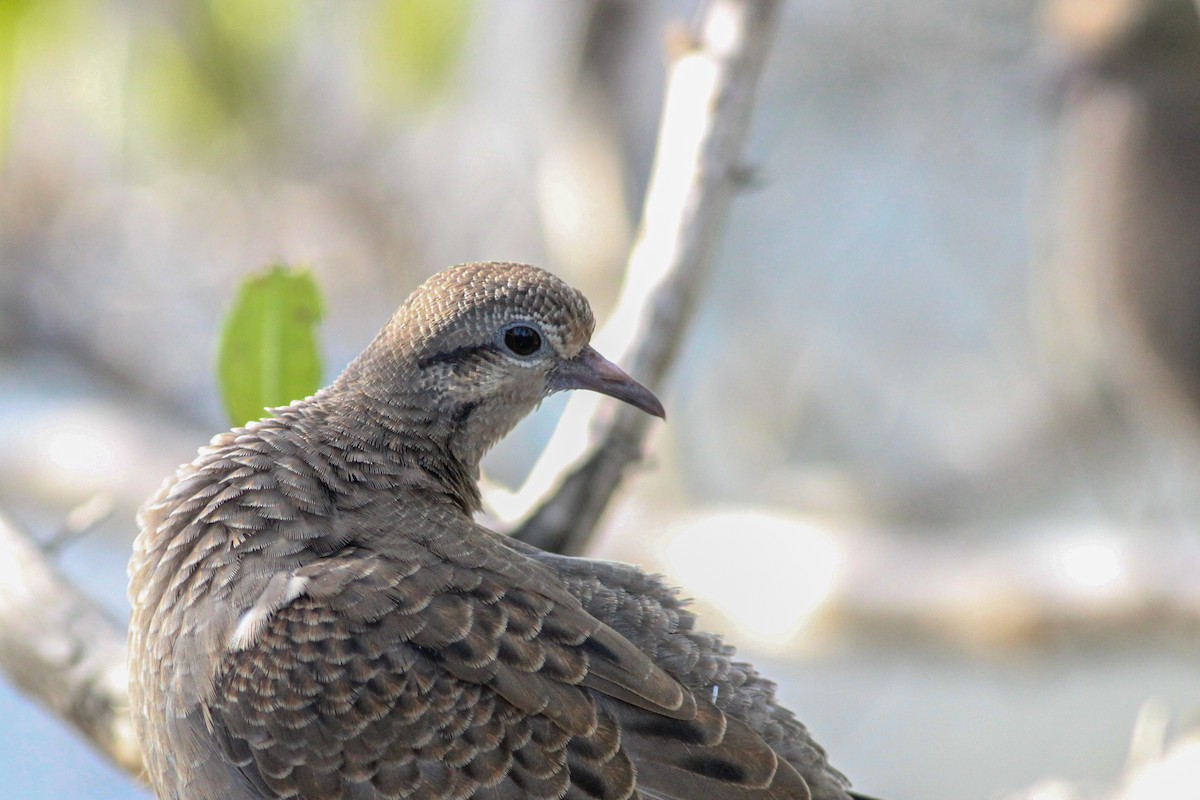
x=1159 y=765
x=709 y=98
x=81 y=521
x=60 y=649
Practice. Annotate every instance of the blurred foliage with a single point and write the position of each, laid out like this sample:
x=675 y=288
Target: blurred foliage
x=27 y=28
x=268 y=353
x=217 y=79
x=415 y=46
x=210 y=71
x=12 y=15
x=215 y=76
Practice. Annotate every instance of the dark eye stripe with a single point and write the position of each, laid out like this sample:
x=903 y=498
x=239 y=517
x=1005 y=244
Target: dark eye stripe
x=458 y=354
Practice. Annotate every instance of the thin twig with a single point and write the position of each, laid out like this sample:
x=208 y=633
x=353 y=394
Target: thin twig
x=82 y=520
x=59 y=648
x=709 y=100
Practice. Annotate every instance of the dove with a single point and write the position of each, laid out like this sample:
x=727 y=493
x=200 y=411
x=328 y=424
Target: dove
x=317 y=614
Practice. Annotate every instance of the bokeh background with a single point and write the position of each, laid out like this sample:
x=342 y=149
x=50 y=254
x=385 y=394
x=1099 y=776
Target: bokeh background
x=933 y=457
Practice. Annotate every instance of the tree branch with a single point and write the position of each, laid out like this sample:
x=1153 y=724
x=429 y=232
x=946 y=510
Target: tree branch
x=60 y=649
x=709 y=99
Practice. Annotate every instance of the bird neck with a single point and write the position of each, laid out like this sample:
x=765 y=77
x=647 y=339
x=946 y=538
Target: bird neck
x=404 y=431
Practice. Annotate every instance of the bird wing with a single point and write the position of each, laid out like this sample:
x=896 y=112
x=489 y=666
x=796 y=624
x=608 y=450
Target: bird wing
x=454 y=668
x=649 y=613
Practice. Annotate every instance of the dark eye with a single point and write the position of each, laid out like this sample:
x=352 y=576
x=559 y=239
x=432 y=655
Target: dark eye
x=522 y=340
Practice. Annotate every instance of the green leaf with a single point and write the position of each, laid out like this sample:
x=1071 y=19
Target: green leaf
x=268 y=353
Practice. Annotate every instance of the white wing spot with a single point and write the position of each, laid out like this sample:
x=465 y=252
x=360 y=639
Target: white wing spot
x=281 y=590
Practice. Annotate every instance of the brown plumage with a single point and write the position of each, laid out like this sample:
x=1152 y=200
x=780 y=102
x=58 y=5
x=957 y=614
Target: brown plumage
x=316 y=614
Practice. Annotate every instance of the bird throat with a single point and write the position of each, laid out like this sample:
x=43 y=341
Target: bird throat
x=406 y=433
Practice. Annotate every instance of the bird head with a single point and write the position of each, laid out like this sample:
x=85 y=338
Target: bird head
x=478 y=346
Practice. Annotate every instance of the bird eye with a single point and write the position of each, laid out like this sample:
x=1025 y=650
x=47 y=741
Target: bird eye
x=523 y=340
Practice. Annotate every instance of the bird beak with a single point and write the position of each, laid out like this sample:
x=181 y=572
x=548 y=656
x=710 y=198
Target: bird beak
x=590 y=370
